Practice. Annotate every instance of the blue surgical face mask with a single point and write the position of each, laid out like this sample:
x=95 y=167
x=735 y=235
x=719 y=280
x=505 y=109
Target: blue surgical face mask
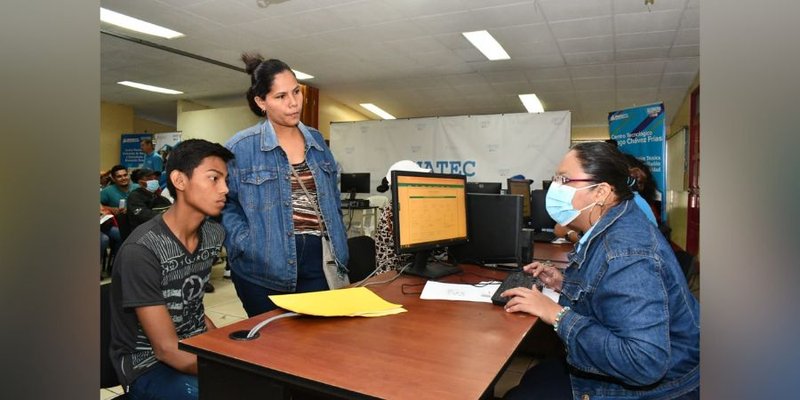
x=152 y=185
x=558 y=203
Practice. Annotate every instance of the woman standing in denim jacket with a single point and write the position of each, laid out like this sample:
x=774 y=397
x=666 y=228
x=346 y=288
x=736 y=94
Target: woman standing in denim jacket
x=284 y=200
x=630 y=326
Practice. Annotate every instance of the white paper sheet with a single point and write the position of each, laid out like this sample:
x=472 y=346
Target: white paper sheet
x=459 y=291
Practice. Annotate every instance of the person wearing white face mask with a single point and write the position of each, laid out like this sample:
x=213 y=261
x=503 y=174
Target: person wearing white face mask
x=146 y=201
x=625 y=315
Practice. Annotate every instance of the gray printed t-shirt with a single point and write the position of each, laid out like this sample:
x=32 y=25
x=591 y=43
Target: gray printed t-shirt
x=154 y=268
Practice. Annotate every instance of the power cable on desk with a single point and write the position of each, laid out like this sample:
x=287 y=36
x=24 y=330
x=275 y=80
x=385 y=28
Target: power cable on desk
x=264 y=323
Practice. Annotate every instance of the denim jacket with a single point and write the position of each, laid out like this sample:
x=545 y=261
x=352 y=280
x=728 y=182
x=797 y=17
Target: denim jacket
x=258 y=213
x=634 y=327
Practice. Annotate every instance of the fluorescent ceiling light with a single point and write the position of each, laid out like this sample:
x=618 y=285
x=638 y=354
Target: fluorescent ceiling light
x=149 y=87
x=301 y=75
x=137 y=25
x=377 y=111
x=531 y=103
x=487 y=45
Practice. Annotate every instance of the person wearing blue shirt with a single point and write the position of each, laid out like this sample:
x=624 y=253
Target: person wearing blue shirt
x=629 y=324
x=283 y=208
x=152 y=160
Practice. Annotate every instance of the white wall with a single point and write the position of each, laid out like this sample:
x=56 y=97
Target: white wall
x=215 y=124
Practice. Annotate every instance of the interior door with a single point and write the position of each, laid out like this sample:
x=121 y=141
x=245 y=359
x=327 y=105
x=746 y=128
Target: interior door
x=693 y=212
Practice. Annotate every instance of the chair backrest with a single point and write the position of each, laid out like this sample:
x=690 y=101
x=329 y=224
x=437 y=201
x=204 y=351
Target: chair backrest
x=362 y=257
x=108 y=377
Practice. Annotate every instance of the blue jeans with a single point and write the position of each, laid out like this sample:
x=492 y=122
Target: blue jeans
x=163 y=382
x=310 y=277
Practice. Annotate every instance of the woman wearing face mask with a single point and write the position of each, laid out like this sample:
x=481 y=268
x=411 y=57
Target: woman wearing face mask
x=630 y=326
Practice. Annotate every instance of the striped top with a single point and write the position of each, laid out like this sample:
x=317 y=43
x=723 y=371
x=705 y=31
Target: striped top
x=306 y=220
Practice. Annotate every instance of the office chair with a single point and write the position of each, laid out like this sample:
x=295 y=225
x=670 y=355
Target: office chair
x=362 y=257
x=108 y=376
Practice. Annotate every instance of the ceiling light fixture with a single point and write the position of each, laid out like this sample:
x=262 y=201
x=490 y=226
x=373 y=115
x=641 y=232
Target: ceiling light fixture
x=137 y=25
x=377 y=111
x=531 y=103
x=149 y=88
x=301 y=75
x=487 y=45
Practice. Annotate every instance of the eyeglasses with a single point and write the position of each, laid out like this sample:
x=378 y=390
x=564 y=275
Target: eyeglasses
x=564 y=180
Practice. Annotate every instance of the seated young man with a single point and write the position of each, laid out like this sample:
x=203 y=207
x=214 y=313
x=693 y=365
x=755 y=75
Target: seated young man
x=158 y=277
x=146 y=201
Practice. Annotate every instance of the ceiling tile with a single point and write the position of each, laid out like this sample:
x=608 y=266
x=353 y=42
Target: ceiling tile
x=591 y=71
x=627 y=6
x=691 y=65
x=640 y=68
x=584 y=45
x=644 y=40
x=691 y=18
x=684 y=51
x=557 y=10
x=638 y=81
x=589 y=58
x=543 y=74
x=687 y=37
x=641 y=54
x=602 y=83
x=647 y=22
x=507 y=15
x=602 y=26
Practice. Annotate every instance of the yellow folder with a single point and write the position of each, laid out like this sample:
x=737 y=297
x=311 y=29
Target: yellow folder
x=350 y=302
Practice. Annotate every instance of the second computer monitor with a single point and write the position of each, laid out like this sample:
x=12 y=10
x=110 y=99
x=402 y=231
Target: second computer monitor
x=484 y=187
x=495 y=227
x=354 y=182
x=522 y=187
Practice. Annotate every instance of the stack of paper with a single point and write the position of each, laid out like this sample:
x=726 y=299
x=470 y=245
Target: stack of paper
x=350 y=302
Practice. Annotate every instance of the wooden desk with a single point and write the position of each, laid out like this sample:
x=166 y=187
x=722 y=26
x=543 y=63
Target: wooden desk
x=436 y=350
x=556 y=253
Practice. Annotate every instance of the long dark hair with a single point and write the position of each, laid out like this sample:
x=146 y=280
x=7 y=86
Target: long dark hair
x=262 y=74
x=647 y=186
x=605 y=164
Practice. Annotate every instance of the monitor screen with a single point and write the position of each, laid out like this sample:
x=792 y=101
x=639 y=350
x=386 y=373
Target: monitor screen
x=522 y=187
x=430 y=212
x=540 y=219
x=484 y=187
x=355 y=182
x=495 y=225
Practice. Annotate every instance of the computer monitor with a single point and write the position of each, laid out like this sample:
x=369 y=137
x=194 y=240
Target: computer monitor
x=540 y=219
x=355 y=182
x=430 y=212
x=484 y=187
x=494 y=225
x=521 y=187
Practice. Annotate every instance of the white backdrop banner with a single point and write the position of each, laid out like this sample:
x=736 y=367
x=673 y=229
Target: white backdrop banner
x=485 y=148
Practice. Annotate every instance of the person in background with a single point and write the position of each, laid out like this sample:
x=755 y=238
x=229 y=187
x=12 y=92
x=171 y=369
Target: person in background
x=105 y=179
x=386 y=257
x=284 y=201
x=645 y=187
x=630 y=326
x=110 y=198
x=145 y=202
x=152 y=160
x=158 y=276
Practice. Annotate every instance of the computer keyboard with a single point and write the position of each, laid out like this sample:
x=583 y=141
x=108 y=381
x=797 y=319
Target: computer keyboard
x=513 y=280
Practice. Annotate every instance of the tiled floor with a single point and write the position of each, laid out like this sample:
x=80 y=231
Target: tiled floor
x=223 y=307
